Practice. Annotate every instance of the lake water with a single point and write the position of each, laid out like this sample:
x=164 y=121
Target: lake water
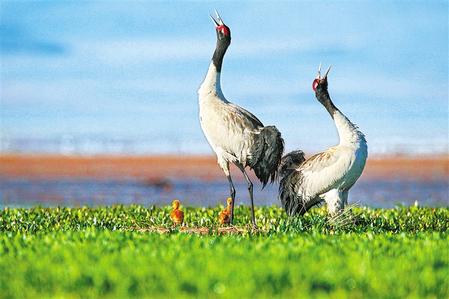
x=94 y=192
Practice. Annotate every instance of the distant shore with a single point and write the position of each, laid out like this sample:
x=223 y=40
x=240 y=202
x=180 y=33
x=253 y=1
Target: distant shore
x=160 y=167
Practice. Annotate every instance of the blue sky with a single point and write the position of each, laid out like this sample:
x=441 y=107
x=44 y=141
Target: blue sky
x=121 y=77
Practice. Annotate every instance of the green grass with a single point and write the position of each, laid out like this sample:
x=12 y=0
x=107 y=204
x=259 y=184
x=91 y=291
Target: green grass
x=113 y=253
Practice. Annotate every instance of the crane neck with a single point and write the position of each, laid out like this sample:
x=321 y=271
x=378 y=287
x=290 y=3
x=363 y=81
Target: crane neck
x=220 y=51
x=211 y=83
x=347 y=131
x=212 y=80
x=324 y=98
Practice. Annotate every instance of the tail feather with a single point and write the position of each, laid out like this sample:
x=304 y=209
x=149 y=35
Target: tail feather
x=290 y=162
x=266 y=154
x=290 y=196
x=290 y=199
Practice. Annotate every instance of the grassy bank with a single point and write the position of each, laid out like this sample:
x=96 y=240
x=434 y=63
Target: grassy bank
x=120 y=252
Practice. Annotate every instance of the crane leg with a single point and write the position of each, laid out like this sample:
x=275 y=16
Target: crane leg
x=250 y=190
x=232 y=193
x=224 y=165
x=344 y=195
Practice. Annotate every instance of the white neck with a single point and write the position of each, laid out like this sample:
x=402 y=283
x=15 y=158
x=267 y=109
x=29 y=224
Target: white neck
x=347 y=131
x=211 y=83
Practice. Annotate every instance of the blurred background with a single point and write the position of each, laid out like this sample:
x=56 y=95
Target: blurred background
x=120 y=78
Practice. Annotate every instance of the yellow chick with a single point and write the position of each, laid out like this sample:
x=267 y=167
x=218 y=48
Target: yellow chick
x=177 y=216
x=225 y=215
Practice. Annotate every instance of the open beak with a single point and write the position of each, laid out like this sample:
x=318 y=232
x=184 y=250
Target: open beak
x=327 y=72
x=318 y=76
x=217 y=19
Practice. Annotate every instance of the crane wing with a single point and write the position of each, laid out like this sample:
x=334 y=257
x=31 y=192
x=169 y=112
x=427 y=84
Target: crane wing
x=323 y=171
x=246 y=116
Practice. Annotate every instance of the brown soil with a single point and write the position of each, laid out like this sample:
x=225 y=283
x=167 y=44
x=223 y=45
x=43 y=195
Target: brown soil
x=157 y=169
x=199 y=230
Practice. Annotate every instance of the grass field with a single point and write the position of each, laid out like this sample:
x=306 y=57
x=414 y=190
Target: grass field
x=121 y=252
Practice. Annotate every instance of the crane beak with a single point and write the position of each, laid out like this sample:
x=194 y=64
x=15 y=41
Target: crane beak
x=327 y=72
x=217 y=19
x=318 y=76
x=220 y=21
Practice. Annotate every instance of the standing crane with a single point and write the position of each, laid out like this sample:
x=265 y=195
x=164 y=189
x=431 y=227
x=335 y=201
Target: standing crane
x=235 y=134
x=328 y=175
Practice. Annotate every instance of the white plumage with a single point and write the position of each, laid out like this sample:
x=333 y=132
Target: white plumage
x=328 y=175
x=228 y=128
x=236 y=135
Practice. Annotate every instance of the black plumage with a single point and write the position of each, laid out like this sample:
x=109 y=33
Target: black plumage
x=266 y=154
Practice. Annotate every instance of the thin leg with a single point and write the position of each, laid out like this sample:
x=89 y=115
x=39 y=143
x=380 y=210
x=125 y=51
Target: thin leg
x=224 y=165
x=250 y=190
x=344 y=196
x=232 y=192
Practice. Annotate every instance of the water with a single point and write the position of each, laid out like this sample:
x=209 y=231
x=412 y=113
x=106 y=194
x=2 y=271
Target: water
x=95 y=192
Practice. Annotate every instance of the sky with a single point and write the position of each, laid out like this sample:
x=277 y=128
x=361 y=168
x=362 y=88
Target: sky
x=122 y=77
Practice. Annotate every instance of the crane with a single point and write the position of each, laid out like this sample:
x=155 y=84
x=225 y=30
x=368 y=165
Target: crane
x=328 y=175
x=235 y=134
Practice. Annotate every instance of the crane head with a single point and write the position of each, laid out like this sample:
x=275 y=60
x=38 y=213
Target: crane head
x=223 y=31
x=320 y=81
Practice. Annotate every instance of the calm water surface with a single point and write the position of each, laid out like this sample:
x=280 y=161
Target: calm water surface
x=94 y=192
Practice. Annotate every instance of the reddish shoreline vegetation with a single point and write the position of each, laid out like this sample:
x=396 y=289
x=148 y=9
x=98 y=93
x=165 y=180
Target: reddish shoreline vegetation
x=202 y=167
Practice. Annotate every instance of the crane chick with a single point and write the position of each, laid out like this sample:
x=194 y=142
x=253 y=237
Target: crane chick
x=225 y=215
x=176 y=215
